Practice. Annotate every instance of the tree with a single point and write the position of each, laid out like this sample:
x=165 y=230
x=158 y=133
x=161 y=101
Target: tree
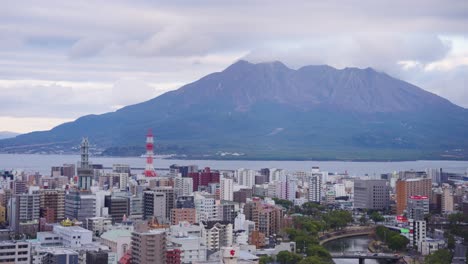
x=363 y=220
x=286 y=257
x=439 y=257
x=318 y=251
x=397 y=242
x=266 y=260
x=377 y=217
x=311 y=260
x=450 y=242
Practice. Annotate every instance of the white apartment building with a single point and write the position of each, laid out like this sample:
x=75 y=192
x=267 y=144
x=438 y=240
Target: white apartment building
x=183 y=186
x=245 y=177
x=227 y=189
x=315 y=188
x=205 y=206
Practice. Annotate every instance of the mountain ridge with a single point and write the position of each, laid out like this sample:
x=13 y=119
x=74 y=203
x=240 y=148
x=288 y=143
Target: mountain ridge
x=323 y=113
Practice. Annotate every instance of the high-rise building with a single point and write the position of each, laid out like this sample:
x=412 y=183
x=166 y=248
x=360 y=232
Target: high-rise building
x=245 y=177
x=418 y=207
x=227 y=211
x=447 y=199
x=227 y=192
x=85 y=171
x=205 y=205
x=19 y=186
x=170 y=199
x=52 y=204
x=68 y=170
x=409 y=187
x=276 y=174
x=265 y=172
x=24 y=212
x=80 y=206
x=267 y=217
x=417 y=232
x=315 y=188
x=183 y=170
x=435 y=175
x=118 y=206
x=371 y=194
x=148 y=245
x=183 y=186
x=154 y=205
x=203 y=178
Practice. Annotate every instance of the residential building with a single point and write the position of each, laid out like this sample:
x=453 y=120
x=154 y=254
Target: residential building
x=183 y=186
x=183 y=214
x=205 y=205
x=417 y=231
x=203 y=178
x=226 y=186
x=148 y=245
x=52 y=205
x=447 y=199
x=409 y=187
x=315 y=188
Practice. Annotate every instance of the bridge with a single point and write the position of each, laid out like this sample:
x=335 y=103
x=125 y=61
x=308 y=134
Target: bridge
x=347 y=232
x=362 y=256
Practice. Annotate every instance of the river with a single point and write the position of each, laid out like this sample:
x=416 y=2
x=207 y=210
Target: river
x=358 y=243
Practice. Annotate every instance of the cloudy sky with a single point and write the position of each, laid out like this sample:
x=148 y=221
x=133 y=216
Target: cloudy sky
x=63 y=59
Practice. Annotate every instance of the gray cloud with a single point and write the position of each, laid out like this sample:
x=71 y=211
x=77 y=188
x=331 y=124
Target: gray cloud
x=151 y=46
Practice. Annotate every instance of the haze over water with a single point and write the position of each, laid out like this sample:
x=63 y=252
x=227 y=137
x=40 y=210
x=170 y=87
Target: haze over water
x=43 y=163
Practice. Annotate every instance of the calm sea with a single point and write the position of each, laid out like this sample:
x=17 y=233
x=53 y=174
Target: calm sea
x=42 y=164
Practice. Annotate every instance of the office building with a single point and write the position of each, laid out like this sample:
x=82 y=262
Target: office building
x=80 y=206
x=371 y=194
x=23 y=213
x=418 y=207
x=154 y=205
x=118 y=206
